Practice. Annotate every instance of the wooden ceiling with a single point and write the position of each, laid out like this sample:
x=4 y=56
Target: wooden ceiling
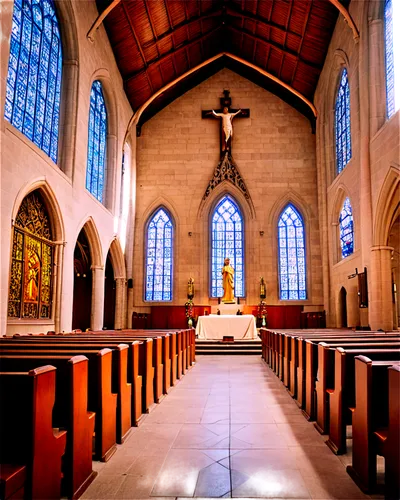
x=157 y=41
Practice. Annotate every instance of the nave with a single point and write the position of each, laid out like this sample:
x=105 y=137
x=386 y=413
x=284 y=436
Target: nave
x=228 y=429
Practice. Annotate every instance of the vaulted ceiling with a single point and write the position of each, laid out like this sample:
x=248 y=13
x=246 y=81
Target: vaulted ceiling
x=156 y=42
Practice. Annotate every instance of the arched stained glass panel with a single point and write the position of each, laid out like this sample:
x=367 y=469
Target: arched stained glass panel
x=159 y=257
x=346 y=229
x=342 y=123
x=31 y=261
x=227 y=241
x=292 y=258
x=97 y=140
x=34 y=74
x=392 y=56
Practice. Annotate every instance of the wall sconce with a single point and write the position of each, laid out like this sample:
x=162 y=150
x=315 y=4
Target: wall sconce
x=261 y=233
x=190 y=233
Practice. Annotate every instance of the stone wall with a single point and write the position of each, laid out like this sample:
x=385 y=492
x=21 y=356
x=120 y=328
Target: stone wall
x=25 y=167
x=275 y=153
x=374 y=165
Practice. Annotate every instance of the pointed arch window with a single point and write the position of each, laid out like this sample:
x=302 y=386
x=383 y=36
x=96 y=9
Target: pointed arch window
x=33 y=90
x=292 y=258
x=227 y=241
x=31 y=261
x=159 y=257
x=342 y=123
x=97 y=142
x=346 y=229
x=392 y=56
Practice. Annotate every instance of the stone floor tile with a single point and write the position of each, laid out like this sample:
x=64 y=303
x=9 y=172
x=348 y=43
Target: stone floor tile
x=104 y=487
x=213 y=481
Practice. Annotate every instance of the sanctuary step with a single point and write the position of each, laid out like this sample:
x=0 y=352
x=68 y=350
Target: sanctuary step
x=219 y=348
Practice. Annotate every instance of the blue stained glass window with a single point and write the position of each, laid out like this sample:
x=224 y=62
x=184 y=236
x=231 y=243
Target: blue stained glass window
x=392 y=56
x=292 y=255
x=342 y=123
x=159 y=257
x=227 y=241
x=346 y=229
x=34 y=74
x=97 y=140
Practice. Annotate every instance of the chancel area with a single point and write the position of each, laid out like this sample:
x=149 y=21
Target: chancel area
x=200 y=245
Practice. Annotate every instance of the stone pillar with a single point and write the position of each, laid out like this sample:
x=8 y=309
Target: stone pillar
x=97 y=316
x=120 y=303
x=381 y=306
x=111 y=184
x=376 y=75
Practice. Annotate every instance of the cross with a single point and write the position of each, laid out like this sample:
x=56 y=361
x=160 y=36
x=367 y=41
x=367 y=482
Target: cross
x=226 y=115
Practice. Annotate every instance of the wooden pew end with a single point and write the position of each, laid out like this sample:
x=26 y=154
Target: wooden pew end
x=12 y=481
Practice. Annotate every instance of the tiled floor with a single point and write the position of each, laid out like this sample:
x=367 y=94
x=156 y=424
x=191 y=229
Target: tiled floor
x=228 y=429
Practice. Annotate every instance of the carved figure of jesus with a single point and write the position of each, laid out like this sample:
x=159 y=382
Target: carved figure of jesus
x=227 y=124
x=228 y=283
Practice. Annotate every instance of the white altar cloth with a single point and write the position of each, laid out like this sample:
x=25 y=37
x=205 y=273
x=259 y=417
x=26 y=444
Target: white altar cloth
x=214 y=327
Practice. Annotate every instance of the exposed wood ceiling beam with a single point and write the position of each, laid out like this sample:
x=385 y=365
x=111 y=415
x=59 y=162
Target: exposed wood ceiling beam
x=307 y=18
x=100 y=18
x=234 y=12
x=183 y=47
x=187 y=23
x=275 y=45
x=347 y=17
x=285 y=37
x=138 y=113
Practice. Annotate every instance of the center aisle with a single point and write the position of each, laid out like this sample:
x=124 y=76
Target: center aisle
x=228 y=429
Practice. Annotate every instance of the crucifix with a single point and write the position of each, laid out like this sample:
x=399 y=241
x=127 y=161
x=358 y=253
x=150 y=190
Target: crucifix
x=226 y=115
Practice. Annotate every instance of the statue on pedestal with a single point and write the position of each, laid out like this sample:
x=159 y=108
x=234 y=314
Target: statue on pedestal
x=228 y=283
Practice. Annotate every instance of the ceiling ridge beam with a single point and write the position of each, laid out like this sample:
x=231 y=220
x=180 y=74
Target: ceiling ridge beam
x=138 y=113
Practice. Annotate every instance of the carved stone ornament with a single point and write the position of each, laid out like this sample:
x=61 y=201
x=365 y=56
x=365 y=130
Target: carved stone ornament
x=227 y=170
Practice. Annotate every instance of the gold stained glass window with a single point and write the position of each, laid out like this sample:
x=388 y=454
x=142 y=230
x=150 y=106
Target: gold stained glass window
x=32 y=261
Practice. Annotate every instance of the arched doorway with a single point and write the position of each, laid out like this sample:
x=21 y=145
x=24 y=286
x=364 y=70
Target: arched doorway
x=82 y=303
x=343 y=307
x=109 y=295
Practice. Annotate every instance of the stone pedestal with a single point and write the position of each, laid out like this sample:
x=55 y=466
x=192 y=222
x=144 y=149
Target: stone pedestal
x=227 y=308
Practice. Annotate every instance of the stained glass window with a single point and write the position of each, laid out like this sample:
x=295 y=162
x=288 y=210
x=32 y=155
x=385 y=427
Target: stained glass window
x=227 y=241
x=96 y=157
x=32 y=261
x=159 y=257
x=392 y=56
x=292 y=255
x=342 y=123
x=346 y=229
x=34 y=74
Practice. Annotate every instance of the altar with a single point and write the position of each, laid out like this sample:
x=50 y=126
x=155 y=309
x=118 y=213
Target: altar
x=214 y=327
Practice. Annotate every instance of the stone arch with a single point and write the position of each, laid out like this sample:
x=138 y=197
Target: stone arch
x=387 y=207
x=226 y=188
x=119 y=295
x=342 y=313
x=103 y=75
x=93 y=237
x=341 y=194
x=291 y=197
x=57 y=226
x=117 y=258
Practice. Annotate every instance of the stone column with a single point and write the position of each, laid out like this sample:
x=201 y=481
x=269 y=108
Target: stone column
x=381 y=306
x=120 y=303
x=97 y=315
x=111 y=184
x=376 y=75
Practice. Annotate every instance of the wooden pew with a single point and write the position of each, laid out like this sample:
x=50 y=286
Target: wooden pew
x=12 y=482
x=101 y=399
x=26 y=431
x=69 y=413
x=326 y=368
x=120 y=385
x=140 y=373
x=342 y=397
x=376 y=423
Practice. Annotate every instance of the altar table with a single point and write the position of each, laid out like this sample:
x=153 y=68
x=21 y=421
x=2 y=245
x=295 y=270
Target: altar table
x=214 y=327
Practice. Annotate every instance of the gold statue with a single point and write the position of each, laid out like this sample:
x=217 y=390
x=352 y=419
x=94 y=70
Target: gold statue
x=228 y=283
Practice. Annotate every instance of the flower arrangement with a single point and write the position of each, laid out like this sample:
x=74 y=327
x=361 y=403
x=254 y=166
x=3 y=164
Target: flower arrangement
x=189 y=310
